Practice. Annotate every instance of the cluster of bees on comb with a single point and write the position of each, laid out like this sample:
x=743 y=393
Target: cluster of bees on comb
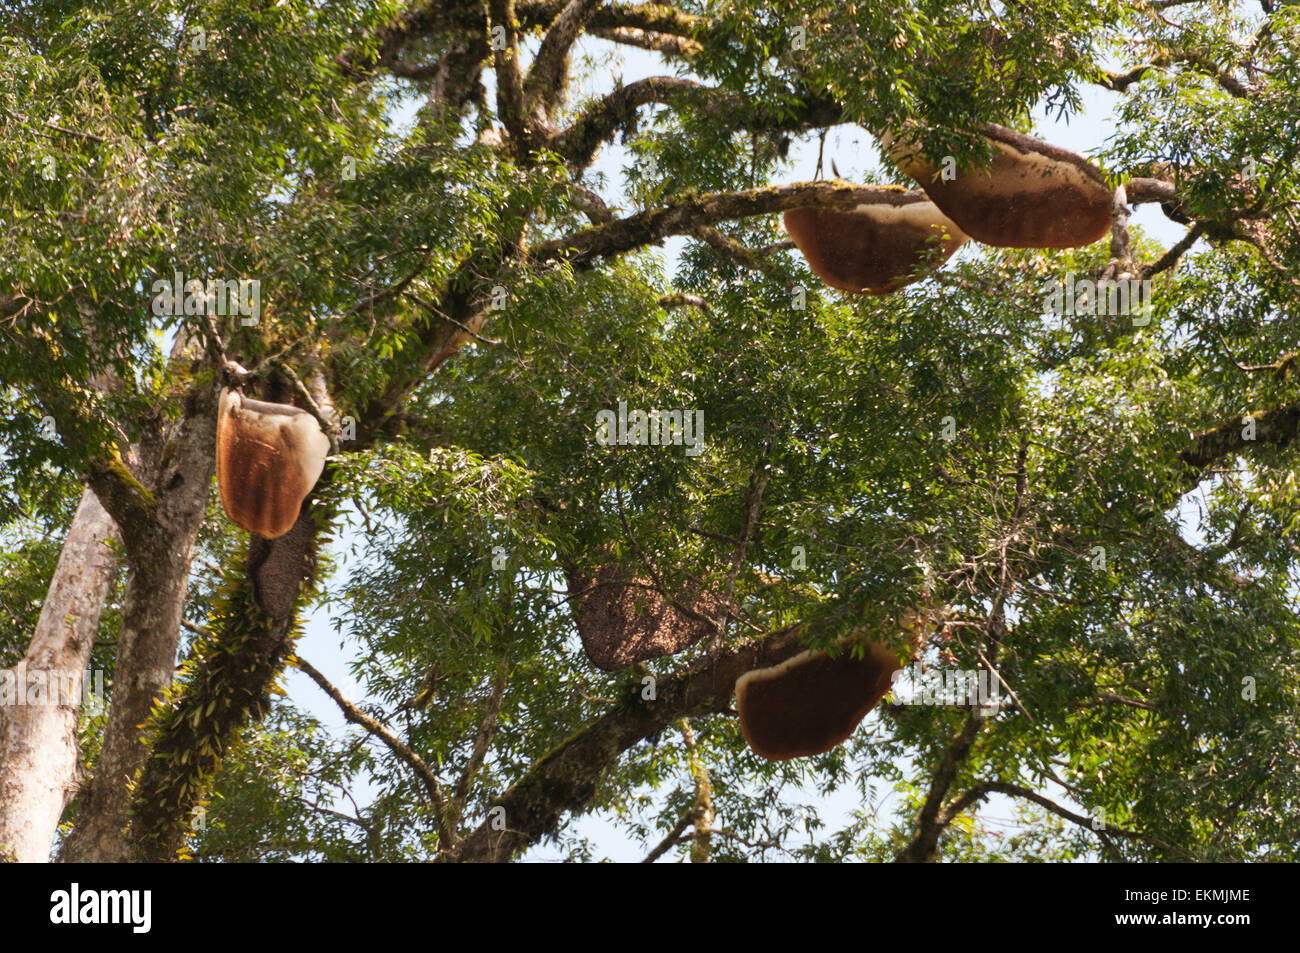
x=1032 y=195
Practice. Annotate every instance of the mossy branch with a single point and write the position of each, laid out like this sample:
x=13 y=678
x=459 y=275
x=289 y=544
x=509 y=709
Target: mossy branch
x=131 y=504
x=225 y=685
x=1277 y=426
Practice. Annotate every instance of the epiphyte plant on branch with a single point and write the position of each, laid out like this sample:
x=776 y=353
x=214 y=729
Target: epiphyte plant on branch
x=453 y=208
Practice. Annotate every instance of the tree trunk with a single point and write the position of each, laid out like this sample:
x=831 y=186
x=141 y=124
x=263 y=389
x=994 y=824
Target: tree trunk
x=231 y=672
x=39 y=755
x=152 y=608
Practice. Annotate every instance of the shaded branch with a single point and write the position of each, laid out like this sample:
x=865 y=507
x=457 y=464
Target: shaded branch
x=932 y=820
x=487 y=729
x=742 y=255
x=1173 y=253
x=578 y=142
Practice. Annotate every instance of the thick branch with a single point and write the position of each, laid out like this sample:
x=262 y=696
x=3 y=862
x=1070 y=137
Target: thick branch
x=598 y=124
x=654 y=225
x=510 y=91
x=550 y=66
x=658 y=42
x=616 y=110
x=1277 y=426
x=651 y=17
x=1143 y=189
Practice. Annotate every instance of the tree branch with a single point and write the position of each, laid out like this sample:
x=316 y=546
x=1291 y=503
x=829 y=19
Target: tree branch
x=616 y=110
x=358 y=717
x=646 y=40
x=578 y=142
x=650 y=17
x=1102 y=829
x=702 y=815
x=931 y=820
x=568 y=776
x=486 y=730
x=549 y=67
x=654 y=225
x=511 y=102
x=727 y=246
x=1277 y=426
x=1173 y=253
x=673 y=837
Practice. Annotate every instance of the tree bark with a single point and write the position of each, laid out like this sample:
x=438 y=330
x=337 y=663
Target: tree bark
x=39 y=754
x=228 y=678
x=227 y=687
x=159 y=555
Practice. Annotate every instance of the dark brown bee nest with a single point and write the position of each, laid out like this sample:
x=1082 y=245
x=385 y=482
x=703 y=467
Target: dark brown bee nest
x=810 y=703
x=622 y=620
x=877 y=247
x=1032 y=195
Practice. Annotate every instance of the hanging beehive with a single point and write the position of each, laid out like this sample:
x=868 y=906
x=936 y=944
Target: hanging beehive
x=622 y=621
x=1032 y=195
x=269 y=457
x=810 y=703
x=875 y=247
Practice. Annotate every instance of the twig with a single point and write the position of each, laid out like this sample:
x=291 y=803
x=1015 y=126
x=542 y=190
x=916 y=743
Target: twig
x=1100 y=828
x=357 y=717
x=487 y=729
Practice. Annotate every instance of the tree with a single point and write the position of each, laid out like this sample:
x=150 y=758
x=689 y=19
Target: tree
x=457 y=299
